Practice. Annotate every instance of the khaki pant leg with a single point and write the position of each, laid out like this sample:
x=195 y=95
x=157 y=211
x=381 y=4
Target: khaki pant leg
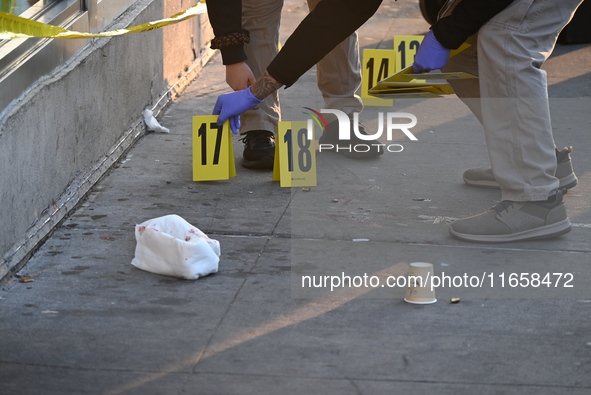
x=261 y=18
x=512 y=48
x=339 y=74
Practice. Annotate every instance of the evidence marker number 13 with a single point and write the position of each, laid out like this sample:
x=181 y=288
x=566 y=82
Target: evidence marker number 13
x=406 y=48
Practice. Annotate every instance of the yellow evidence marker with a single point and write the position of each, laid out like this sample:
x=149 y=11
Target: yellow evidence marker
x=295 y=155
x=406 y=48
x=213 y=154
x=377 y=65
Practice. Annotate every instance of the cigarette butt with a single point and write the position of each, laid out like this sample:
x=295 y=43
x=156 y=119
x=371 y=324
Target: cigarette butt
x=26 y=280
x=306 y=189
x=454 y=300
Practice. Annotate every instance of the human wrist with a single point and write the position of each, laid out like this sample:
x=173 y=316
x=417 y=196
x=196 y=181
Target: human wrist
x=251 y=96
x=431 y=37
x=264 y=86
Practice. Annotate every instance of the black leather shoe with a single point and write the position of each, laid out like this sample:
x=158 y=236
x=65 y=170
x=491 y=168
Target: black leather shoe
x=259 y=149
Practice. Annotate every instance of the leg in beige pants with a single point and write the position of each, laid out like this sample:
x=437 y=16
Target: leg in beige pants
x=338 y=72
x=510 y=98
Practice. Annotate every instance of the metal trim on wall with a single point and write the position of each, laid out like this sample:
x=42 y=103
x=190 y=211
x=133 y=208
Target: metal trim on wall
x=24 y=61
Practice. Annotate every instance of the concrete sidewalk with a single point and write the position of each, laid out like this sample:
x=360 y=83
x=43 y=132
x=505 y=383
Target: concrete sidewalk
x=90 y=323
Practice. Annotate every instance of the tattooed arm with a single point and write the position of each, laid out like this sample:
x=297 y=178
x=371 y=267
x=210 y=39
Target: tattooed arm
x=265 y=86
x=323 y=29
x=231 y=105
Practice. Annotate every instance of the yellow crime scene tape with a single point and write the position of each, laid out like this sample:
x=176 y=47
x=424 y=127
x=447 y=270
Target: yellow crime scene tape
x=12 y=26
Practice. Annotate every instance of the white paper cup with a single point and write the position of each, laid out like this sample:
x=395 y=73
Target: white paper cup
x=420 y=277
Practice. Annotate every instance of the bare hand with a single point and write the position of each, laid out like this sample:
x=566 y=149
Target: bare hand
x=239 y=76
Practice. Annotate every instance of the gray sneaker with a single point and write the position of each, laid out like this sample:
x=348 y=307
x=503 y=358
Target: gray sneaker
x=515 y=221
x=483 y=177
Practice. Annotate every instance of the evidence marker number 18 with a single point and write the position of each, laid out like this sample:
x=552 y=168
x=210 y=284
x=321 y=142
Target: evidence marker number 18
x=295 y=155
x=304 y=159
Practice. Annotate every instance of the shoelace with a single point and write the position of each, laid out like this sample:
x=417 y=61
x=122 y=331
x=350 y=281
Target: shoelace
x=258 y=139
x=503 y=206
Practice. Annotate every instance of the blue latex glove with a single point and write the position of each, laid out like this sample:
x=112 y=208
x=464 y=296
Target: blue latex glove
x=231 y=105
x=431 y=55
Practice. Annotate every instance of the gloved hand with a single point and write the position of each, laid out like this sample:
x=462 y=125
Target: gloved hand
x=431 y=55
x=231 y=105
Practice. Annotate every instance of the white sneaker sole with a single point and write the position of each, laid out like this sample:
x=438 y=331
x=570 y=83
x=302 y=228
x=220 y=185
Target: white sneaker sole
x=543 y=232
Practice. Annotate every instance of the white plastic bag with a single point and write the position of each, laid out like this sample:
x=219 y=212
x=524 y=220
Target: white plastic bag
x=152 y=123
x=171 y=246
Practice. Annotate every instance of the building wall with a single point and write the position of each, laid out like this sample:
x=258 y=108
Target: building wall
x=66 y=131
